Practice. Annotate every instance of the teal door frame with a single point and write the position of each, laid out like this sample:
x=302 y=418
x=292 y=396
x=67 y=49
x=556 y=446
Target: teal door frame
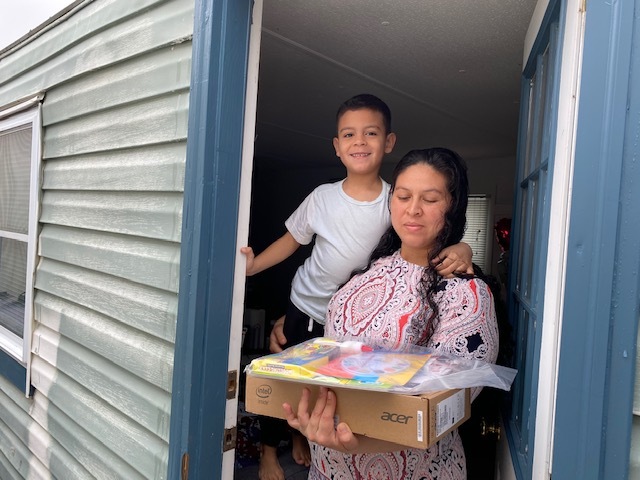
x=210 y=216
x=598 y=346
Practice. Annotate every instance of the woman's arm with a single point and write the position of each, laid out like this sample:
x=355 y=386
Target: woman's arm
x=318 y=426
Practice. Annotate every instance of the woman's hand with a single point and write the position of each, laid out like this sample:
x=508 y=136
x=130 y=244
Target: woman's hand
x=319 y=426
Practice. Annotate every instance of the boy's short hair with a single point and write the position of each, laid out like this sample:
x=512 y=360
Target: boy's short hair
x=366 y=100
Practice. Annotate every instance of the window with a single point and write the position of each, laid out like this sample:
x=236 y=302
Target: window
x=476 y=234
x=19 y=185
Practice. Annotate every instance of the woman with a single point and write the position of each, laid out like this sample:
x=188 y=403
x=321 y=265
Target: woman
x=398 y=300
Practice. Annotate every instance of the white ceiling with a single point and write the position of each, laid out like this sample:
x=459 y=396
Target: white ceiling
x=449 y=70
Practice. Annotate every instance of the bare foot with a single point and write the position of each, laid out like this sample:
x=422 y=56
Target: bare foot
x=300 y=450
x=270 y=468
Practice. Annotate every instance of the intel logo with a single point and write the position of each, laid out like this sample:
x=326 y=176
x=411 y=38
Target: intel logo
x=263 y=391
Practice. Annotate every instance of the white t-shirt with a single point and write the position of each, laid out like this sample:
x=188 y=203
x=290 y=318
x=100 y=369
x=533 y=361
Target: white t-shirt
x=346 y=232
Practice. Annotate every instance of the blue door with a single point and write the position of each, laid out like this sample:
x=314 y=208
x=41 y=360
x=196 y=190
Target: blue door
x=598 y=321
x=594 y=400
x=539 y=101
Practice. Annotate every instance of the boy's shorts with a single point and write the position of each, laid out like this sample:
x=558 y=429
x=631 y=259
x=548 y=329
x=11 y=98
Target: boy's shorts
x=296 y=326
x=296 y=329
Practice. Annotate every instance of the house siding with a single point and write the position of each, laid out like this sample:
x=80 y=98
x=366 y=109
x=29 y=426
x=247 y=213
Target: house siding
x=115 y=77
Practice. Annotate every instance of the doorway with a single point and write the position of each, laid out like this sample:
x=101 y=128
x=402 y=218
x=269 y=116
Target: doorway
x=450 y=74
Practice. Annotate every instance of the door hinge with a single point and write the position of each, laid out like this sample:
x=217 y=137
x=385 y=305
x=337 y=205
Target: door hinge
x=184 y=469
x=230 y=436
x=232 y=384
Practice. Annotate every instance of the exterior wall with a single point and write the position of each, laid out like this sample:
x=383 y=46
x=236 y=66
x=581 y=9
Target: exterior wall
x=116 y=80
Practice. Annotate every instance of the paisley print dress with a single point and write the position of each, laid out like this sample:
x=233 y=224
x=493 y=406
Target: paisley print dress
x=383 y=308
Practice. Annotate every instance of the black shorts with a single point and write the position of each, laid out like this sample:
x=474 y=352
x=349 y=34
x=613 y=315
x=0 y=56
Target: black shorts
x=296 y=329
x=296 y=326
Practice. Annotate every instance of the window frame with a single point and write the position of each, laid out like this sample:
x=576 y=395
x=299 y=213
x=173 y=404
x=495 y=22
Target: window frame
x=15 y=358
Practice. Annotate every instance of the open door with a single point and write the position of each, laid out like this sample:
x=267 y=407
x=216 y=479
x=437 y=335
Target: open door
x=289 y=178
x=550 y=83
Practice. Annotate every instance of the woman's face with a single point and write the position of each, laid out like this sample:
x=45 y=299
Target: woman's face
x=418 y=205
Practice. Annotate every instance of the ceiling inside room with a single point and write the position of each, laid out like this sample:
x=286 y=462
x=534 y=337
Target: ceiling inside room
x=449 y=70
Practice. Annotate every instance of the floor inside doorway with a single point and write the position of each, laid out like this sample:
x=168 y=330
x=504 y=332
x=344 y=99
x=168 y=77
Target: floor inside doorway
x=292 y=471
x=248 y=450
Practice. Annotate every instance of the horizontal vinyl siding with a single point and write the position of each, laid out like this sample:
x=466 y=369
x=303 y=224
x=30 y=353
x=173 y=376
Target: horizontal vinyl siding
x=130 y=441
x=18 y=425
x=115 y=77
x=102 y=33
x=6 y=469
x=147 y=309
x=157 y=120
x=120 y=170
x=110 y=338
x=142 y=260
x=144 y=214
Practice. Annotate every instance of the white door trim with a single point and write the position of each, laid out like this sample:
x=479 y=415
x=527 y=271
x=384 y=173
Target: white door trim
x=246 y=170
x=569 y=90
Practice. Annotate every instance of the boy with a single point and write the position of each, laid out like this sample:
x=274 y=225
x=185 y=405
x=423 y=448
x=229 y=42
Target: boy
x=347 y=219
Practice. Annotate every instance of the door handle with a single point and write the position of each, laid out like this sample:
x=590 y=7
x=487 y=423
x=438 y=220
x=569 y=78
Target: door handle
x=487 y=428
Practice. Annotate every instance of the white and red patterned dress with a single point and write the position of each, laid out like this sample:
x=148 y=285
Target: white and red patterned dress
x=383 y=308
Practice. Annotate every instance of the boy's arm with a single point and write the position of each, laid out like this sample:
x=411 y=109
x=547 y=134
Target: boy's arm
x=455 y=259
x=275 y=253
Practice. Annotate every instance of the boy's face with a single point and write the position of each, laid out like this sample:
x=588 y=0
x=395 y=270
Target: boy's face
x=362 y=141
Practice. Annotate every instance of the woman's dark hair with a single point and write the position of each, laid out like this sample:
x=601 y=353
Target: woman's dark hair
x=449 y=164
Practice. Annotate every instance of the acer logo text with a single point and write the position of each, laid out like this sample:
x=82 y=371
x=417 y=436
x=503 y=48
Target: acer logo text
x=395 y=417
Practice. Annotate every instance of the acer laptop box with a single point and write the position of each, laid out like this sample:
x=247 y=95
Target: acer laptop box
x=410 y=420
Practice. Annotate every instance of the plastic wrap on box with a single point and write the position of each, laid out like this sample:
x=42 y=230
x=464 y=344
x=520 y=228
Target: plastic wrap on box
x=351 y=364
